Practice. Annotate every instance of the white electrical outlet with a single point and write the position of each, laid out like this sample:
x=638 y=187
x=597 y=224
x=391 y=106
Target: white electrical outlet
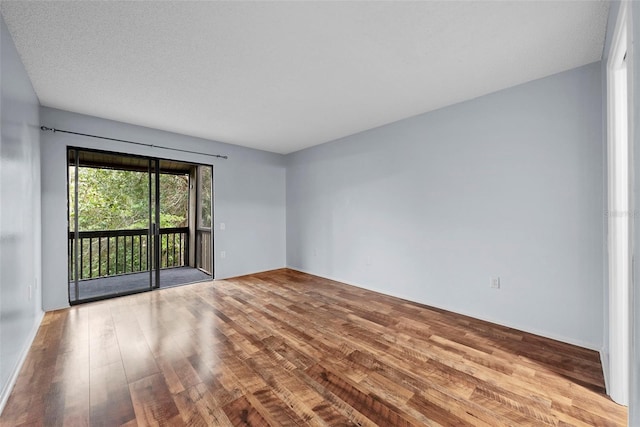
x=223 y=254
x=223 y=226
x=30 y=291
x=495 y=283
x=368 y=260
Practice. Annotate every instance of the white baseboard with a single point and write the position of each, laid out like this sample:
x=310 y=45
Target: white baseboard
x=522 y=328
x=604 y=360
x=6 y=391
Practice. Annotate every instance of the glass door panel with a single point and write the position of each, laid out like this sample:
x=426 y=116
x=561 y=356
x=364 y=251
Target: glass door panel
x=174 y=183
x=109 y=244
x=204 y=228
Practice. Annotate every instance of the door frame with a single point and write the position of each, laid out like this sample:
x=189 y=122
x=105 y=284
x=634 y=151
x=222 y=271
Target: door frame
x=153 y=230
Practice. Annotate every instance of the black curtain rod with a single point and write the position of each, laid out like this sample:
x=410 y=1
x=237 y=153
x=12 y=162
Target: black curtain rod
x=44 y=128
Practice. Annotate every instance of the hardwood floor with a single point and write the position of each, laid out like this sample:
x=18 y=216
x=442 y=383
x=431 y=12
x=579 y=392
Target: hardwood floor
x=285 y=348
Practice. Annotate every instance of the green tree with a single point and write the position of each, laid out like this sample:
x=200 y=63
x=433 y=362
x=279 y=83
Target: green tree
x=114 y=199
x=110 y=199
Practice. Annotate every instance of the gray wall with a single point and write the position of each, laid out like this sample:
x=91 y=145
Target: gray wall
x=19 y=213
x=429 y=208
x=249 y=194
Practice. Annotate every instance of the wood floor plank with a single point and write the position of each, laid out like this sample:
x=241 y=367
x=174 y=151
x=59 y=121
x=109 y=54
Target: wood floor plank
x=137 y=358
x=377 y=411
x=109 y=396
x=285 y=348
x=199 y=407
x=242 y=413
x=152 y=401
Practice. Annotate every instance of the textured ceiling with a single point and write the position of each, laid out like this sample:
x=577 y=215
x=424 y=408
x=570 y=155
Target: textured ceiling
x=282 y=76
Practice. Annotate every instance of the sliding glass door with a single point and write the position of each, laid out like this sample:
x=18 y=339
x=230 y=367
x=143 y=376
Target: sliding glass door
x=136 y=224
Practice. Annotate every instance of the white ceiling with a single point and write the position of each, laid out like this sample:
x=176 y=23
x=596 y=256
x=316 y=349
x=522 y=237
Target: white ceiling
x=282 y=76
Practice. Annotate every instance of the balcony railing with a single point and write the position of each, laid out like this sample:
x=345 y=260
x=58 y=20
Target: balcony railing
x=203 y=249
x=113 y=252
